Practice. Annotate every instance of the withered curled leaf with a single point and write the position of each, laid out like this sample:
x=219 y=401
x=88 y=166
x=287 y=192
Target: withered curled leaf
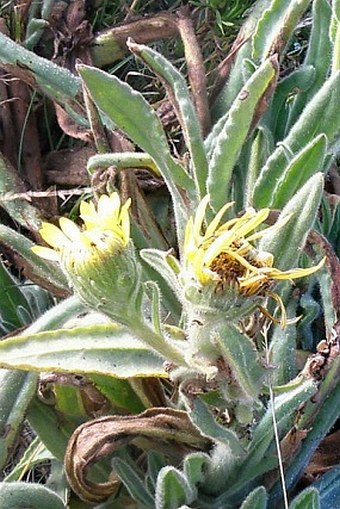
x=92 y=441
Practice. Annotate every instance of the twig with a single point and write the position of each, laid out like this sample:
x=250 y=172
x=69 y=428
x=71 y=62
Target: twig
x=28 y=195
x=195 y=65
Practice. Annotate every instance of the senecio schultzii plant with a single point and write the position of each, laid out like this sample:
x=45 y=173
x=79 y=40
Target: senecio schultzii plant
x=180 y=385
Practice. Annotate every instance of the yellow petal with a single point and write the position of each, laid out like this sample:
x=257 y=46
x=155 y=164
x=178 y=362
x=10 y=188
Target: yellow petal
x=255 y=221
x=221 y=243
x=217 y=219
x=53 y=235
x=70 y=229
x=88 y=214
x=46 y=252
x=271 y=229
x=199 y=218
x=87 y=208
x=125 y=220
x=109 y=207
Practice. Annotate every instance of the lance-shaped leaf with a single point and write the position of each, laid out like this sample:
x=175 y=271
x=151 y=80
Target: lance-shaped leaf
x=335 y=34
x=106 y=349
x=257 y=499
x=319 y=417
x=257 y=462
x=277 y=115
x=166 y=264
x=310 y=160
x=233 y=79
x=328 y=488
x=194 y=468
x=134 y=484
x=43 y=272
x=172 y=490
x=56 y=82
x=129 y=111
x=283 y=350
x=17 y=388
x=15 y=308
x=309 y=498
x=205 y=422
x=321 y=116
x=261 y=148
x=178 y=93
x=53 y=429
x=34 y=496
x=230 y=140
x=318 y=55
x=276 y=26
x=240 y=355
x=16 y=391
x=298 y=217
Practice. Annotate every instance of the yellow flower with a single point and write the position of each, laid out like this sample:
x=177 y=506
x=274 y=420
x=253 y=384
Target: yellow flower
x=104 y=228
x=224 y=255
x=98 y=257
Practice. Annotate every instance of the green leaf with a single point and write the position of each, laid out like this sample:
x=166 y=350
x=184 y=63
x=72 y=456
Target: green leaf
x=133 y=482
x=334 y=32
x=156 y=462
x=283 y=350
x=119 y=392
x=321 y=116
x=308 y=499
x=277 y=115
x=17 y=388
x=155 y=304
x=328 y=488
x=172 y=489
x=230 y=140
x=318 y=55
x=323 y=418
x=16 y=391
x=166 y=265
x=54 y=430
x=261 y=148
x=13 y=302
x=102 y=349
x=47 y=274
x=243 y=49
x=205 y=422
x=240 y=354
x=257 y=499
x=55 y=81
x=178 y=93
x=311 y=309
x=194 y=468
x=304 y=165
x=22 y=495
x=276 y=26
x=130 y=112
x=123 y=160
x=299 y=214
x=257 y=462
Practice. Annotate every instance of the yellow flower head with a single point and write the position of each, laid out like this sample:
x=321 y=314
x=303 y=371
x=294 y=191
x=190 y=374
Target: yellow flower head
x=105 y=228
x=98 y=257
x=224 y=254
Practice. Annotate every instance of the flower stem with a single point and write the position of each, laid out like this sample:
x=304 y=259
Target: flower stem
x=159 y=343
